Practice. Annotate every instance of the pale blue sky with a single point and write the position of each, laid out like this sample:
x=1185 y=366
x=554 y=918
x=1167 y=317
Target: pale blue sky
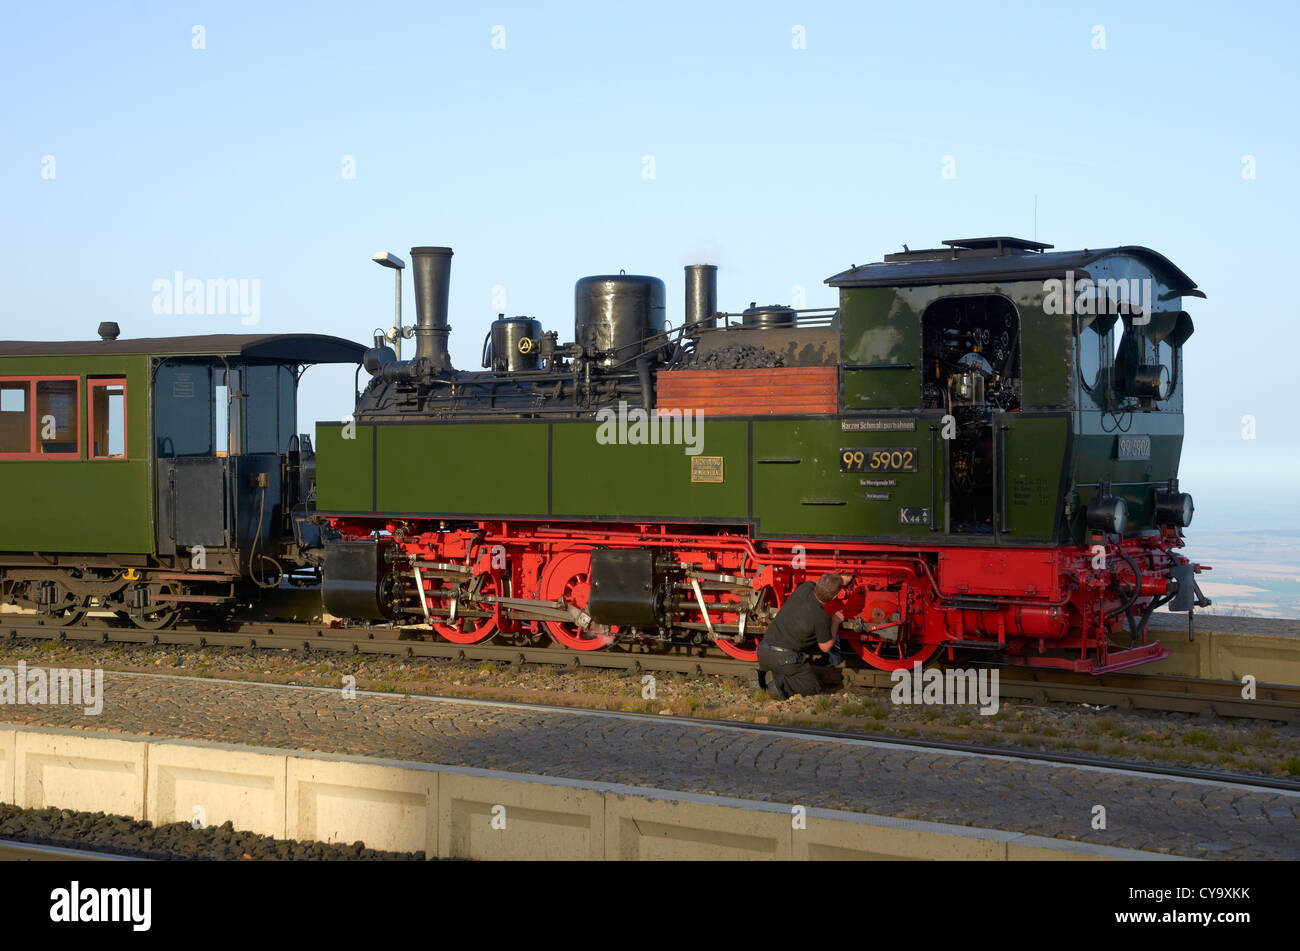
x=783 y=165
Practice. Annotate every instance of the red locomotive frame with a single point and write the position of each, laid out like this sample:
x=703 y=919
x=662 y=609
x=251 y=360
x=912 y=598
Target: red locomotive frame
x=1042 y=607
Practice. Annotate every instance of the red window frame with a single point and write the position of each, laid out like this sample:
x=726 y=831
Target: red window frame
x=33 y=451
x=91 y=383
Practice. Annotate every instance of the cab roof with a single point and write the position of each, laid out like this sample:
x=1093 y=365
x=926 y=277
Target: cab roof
x=984 y=260
x=289 y=348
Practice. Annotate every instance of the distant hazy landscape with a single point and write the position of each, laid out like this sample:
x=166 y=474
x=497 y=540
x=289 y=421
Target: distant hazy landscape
x=1255 y=573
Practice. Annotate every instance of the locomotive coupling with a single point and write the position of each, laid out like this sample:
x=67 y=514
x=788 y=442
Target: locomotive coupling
x=1186 y=592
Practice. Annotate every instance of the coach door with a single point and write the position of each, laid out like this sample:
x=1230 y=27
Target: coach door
x=192 y=452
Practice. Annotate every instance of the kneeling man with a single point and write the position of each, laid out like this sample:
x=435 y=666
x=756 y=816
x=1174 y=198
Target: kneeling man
x=801 y=626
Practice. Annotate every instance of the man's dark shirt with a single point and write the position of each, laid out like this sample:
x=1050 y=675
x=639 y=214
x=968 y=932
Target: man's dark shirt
x=802 y=623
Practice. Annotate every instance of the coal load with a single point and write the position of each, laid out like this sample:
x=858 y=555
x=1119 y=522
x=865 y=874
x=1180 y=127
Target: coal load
x=738 y=357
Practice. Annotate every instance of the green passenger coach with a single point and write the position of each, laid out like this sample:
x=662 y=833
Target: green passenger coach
x=142 y=475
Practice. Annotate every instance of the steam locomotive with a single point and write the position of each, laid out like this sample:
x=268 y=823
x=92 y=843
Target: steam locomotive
x=985 y=435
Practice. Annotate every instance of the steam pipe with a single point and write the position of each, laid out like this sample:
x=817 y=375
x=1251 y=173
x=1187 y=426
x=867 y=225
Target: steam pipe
x=643 y=378
x=701 y=294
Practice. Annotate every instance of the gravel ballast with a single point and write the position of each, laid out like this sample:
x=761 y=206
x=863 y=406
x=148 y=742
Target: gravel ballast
x=122 y=835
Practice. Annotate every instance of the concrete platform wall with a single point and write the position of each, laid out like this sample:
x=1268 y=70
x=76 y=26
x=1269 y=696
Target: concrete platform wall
x=454 y=812
x=1218 y=655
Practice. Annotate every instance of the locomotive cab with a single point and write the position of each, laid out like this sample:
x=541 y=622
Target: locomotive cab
x=1052 y=381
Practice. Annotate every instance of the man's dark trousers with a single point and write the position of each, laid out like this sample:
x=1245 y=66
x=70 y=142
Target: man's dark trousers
x=790 y=672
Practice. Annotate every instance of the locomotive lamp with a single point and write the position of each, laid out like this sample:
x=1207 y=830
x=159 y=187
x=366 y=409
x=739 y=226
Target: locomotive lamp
x=396 y=333
x=1174 y=508
x=1107 y=514
x=1152 y=381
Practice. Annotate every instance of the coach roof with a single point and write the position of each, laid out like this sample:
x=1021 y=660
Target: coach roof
x=295 y=348
x=985 y=260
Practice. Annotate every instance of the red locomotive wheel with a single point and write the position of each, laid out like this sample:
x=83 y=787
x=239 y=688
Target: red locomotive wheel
x=887 y=655
x=884 y=654
x=468 y=630
x=568 y=577
x=747 y=647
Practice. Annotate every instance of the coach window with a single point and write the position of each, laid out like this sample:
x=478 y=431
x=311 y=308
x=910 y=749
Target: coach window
x=259 y=409
x=221 y=411
x=107 y=418
x=40 y=419
x=183 y=410
x=57 y=427
x=269 y=411
x=287 y=383
x=15 y=417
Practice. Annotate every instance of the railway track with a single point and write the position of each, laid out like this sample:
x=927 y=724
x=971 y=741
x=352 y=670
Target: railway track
x=1064 y=759
x=14 y=851
x=1132 y=691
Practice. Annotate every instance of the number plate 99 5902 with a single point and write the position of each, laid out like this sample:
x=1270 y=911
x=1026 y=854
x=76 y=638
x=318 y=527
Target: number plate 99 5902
x=1134 y=448
x=877 y=460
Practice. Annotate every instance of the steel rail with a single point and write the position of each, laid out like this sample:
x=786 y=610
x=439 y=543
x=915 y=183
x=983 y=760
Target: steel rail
x=12 y=850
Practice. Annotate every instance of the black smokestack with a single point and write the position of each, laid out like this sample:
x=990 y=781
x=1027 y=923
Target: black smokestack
x=701 y=294
x=432 y=269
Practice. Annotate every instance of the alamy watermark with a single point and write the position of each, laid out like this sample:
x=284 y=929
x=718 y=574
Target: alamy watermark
x=37 y=686
x=75 y=904
x=1134 y=296
x=952 y=686
x=215 y=296
x=658 y=427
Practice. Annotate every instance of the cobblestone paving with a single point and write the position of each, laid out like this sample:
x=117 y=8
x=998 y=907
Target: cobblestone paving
x=1162 y=815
